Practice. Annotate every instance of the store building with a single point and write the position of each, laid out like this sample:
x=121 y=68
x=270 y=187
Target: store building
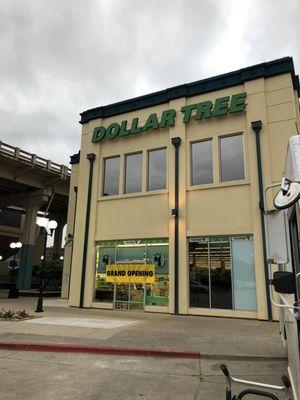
x=165 y=206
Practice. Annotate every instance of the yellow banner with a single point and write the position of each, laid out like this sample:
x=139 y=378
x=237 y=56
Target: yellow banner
x=130 y=273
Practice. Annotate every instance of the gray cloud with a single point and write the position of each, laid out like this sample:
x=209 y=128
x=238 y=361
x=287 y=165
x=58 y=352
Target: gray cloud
x=61 y=57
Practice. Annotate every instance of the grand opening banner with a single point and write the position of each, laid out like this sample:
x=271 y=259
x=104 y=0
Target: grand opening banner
x=130 y=273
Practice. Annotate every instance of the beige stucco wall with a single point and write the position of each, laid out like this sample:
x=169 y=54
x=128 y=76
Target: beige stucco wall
x=214 y=209
x=68 y=250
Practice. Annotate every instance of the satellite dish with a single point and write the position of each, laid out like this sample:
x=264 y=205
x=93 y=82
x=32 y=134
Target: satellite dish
x=288 y=195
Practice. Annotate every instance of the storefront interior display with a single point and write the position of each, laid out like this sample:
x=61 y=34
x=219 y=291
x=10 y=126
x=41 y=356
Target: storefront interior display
x=133 y=295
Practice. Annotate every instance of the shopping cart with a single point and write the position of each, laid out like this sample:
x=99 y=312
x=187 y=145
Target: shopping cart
x=286 y=388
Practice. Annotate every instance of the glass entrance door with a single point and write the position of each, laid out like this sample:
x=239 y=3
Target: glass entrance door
x=121 y=296
x=125 y=296
x=129 y=296
x=136 y=296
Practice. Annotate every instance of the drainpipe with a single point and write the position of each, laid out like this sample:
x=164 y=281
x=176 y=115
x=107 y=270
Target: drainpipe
x=71 y=261
x=91 y=157
x=175 y=212
x=257 y=126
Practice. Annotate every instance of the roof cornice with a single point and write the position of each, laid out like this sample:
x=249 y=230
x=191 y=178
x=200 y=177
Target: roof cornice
x=75 y=158
x=219 y=82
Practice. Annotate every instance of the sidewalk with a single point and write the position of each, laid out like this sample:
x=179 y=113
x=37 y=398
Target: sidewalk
x=213 y=337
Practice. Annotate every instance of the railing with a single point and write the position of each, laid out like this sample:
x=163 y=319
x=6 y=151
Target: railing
x=19 y=154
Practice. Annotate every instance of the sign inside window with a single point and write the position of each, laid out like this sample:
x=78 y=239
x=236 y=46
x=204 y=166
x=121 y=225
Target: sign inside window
x=130 y=273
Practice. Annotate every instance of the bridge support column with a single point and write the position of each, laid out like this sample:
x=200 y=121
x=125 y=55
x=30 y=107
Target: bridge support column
x=32 y=207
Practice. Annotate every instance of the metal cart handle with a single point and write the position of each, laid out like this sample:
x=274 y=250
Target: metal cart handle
x=257 y=393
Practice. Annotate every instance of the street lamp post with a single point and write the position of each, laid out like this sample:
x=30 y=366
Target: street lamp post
x=44 y=224
x=13 y=291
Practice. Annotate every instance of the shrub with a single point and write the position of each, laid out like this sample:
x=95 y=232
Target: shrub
x=52 y=273
x=9 y=314
x=22 y=314
x=13 y=315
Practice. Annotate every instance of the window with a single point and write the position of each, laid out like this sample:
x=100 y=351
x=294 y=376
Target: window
x=10 y=218
x=222 y=273
x=104 y=292
x=132 y=295
x=133 y=178
x=232 y=158
x=243 y=274
x=111 y=176
x=202 y=162
x=157 y=169
x=157 y=294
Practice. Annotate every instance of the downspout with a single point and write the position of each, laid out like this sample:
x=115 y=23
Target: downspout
x=257 y=126
x=91 y=157
x=71 y=261
x=175 y=212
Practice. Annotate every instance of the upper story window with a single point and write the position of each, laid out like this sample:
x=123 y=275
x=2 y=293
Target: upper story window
x=111 y=176
x=232 y=158
x=157 y=169
x=202 y=162
x=133 y=173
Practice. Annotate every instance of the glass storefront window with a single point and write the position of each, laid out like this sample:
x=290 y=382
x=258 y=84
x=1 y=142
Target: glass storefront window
x=158 y=293
x=222 y=273
x=128 y=254
x=127 y=296
x=104 y=291
x=243 y=275
x=199 y=273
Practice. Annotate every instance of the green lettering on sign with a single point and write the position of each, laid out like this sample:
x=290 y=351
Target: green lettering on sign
x=151 y=123
x=123 y=130
x=134 y=126
x=187 y=112
x=98 y=134
x=167 y=118
x=112 y=130
x=238 y=102
x=203 y=110
x=221 y=106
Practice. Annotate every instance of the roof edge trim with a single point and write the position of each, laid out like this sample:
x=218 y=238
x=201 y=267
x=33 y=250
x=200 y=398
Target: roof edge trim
x=235 y=78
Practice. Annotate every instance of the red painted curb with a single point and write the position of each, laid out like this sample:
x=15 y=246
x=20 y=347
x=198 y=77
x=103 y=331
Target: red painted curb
x=89 y=349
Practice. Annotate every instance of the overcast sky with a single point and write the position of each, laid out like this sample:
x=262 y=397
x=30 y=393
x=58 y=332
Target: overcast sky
x=61 y=57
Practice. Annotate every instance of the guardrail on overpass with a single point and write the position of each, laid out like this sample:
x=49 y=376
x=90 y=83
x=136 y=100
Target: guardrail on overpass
x=22 y=155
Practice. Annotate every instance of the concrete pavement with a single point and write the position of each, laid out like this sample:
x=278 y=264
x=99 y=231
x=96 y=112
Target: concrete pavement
x=49 y=376
x=212 y=337
x=251 y=349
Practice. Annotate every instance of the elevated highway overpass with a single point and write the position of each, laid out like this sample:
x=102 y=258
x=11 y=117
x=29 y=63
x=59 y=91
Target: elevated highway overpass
x=29 y=185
